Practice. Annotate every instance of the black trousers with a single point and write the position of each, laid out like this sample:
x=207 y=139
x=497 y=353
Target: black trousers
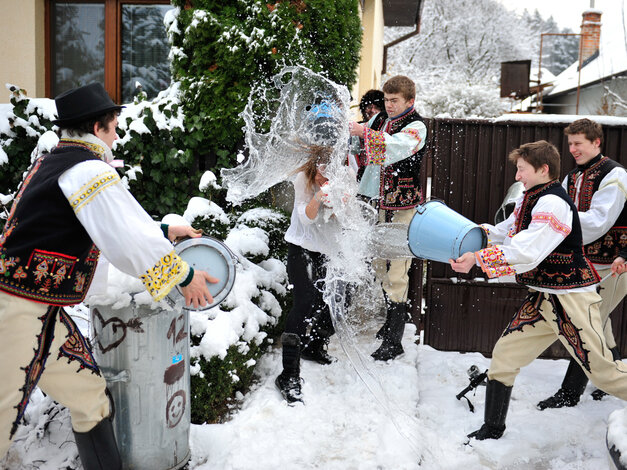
x=306 y=272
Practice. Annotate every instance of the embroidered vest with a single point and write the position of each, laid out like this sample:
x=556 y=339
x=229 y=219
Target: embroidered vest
x=566 y=267
x=606 y=248
x=399 y=186
x=45 y=253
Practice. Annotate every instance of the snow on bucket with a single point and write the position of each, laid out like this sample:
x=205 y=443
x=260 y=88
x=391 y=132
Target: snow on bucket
x=438 y=233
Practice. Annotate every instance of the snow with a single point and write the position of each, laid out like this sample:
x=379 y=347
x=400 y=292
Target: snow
x=341 y=426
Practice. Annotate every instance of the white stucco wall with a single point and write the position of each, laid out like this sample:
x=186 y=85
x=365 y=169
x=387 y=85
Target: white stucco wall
x=22 y=47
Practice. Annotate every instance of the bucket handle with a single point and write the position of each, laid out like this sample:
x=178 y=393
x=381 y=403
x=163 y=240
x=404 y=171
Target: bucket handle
x=420 y=208
x=122 y=376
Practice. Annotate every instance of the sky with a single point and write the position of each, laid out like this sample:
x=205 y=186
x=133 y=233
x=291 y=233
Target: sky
x=567 y=13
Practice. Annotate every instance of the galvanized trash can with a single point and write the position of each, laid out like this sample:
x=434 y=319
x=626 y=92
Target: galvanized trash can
x=144 y=356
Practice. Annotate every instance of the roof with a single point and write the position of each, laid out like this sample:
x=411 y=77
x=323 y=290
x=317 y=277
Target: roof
x=402 y=12
x=612 y=58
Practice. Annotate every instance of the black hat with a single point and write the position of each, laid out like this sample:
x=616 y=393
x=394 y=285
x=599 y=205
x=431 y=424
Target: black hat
x=82 y=103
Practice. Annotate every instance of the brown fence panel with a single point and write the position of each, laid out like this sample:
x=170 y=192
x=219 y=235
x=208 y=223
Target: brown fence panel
x=469 y=171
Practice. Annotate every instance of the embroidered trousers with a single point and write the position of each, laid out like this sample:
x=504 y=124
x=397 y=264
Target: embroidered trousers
x=575 y=321
x=394 y=274
x=26 y=330
x=613 y=289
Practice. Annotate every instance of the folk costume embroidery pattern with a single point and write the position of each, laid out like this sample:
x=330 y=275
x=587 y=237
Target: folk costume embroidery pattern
x=548 y=218
x=169 y=271
x=35 y=368
x=527 y=314
x=570 y=332
x=603 y=250
x=493 y=262
x=76 y=348
x=85 y=195
x=374 y=142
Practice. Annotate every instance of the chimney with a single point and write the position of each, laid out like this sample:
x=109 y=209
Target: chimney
x=590 y=34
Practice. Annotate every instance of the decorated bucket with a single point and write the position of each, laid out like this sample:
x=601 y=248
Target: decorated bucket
x=438 y=233
x=143 y=354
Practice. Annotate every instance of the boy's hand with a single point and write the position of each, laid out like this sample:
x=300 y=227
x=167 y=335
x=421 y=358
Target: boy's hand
x=197 y=293
x=354 y=128
x=464 y=263
x=182 y=231
x=619 y=266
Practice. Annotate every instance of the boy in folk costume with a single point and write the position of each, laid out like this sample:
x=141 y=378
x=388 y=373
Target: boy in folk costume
x=70 y=207
x=598 y=187
x=394 y=140
x=540 y=243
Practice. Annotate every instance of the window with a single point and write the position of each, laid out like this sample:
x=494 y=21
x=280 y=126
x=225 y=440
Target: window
x=120 y=43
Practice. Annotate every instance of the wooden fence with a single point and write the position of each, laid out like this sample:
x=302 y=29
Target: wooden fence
x=466 y=166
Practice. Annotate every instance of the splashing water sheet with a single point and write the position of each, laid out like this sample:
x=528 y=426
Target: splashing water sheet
x=303 y=108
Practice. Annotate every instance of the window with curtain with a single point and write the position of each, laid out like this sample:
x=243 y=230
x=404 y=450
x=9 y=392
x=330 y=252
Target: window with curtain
x=145 y=50
x=77 y=45
x=80 y=53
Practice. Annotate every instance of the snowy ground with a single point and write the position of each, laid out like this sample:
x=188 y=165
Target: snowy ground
x=342 y=427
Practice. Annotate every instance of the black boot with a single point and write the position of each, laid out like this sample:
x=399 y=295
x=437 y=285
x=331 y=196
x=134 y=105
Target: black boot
x=316 y=350
x=289 y=381
x=392 y=336
x=497 y=398
x=572 y=388
x=321 y=331
x=598 y=394
x=97 y=448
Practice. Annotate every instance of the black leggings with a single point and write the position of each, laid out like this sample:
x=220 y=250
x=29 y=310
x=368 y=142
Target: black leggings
x=306 y=272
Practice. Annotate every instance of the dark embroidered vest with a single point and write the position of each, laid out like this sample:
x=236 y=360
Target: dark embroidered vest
x=45 y=253
x=566 y=267
x=606 y=248
x=399 y=186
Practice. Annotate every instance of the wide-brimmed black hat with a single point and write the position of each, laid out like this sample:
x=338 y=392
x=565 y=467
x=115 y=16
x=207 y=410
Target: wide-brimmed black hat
x=82 y=103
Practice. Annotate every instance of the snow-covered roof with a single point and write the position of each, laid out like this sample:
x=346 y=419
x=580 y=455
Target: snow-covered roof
x=612 y=58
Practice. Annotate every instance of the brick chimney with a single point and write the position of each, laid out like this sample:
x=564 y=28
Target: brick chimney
x=591 y=33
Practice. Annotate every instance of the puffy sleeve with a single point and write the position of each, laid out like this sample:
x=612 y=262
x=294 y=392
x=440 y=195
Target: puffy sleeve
x=384 y=149
x=121 y=229
x=605 y=207
x=550 y=224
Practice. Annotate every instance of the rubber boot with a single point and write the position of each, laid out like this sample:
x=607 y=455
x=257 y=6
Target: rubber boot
x=598 y=394
x=289 y=381
x=391 y=346
x=572 y=388
x=497 y=398
x=97 y=447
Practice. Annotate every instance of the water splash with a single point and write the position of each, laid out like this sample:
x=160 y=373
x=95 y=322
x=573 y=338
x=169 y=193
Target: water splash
x=303 y=108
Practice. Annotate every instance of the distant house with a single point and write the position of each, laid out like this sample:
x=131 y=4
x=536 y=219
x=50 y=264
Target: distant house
x=599 y=87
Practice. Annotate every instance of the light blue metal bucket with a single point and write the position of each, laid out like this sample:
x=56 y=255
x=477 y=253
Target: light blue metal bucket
x=438 y=233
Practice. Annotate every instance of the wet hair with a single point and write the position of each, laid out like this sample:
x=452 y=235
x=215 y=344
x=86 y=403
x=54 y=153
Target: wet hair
x=87 y=126
x=401 y=85
x=592 y=130
x=537 y=154
x=374 y=97
x=318 y=155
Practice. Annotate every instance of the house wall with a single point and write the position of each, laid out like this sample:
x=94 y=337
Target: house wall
x=371 y=63
x=593 y=100
x=22 y=47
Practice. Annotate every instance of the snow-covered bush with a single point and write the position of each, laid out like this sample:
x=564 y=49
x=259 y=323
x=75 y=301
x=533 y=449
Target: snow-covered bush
x=459 y=100
x=228 y=340
x=21 y=127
